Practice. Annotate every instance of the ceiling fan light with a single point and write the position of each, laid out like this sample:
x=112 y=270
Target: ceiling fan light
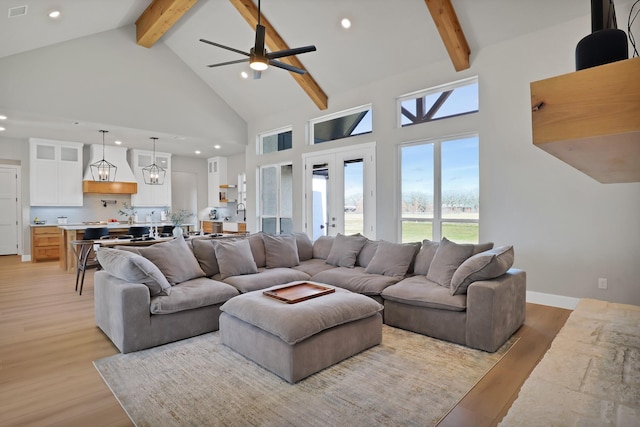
x=258 y=64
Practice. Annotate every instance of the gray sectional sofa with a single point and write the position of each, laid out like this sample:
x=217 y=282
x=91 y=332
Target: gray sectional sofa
x=468 y=294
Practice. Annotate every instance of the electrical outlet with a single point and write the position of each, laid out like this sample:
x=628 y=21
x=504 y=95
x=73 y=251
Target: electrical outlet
x=602 y=283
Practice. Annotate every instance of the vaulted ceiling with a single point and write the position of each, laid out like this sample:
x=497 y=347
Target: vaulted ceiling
x=386 y=37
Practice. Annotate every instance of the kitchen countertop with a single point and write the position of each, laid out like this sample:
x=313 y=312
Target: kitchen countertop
x=112 y=225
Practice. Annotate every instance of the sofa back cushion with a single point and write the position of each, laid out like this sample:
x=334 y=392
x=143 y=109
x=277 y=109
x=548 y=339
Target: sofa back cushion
x=366 y=253
x=425 y=256
x=174 y=259
x=322 y=247
x=206 y=256
x=345 y=249
x=281 y=251
x=393 y=259
x=305 y=247
x=446 y=261
x=256 y=242
x=234 y=258
x=486 y=265
x=133 y=268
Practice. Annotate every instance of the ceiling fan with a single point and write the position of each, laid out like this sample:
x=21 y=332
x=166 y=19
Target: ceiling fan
x=258 y=57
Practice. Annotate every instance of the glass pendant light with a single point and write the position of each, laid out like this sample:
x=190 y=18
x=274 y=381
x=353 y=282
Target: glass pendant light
x=102 y=170
x=154 y=174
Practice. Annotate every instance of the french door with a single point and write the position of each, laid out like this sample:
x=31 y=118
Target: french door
x=340 y=191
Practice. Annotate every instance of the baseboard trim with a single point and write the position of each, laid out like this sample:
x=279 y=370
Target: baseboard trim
x=560 y=301
x=26 y=258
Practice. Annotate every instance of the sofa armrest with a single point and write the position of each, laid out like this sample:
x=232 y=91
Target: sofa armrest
x=495 y=309
x=120 y=305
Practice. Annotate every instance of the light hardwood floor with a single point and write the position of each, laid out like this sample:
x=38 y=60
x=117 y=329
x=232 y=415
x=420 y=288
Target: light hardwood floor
x=48 y=340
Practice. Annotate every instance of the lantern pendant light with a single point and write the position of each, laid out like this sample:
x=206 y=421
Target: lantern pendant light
x=102 y=170
x=154 y=174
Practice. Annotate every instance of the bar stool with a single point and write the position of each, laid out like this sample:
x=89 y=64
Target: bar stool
x=85 y=258
x=167 y=230
x=138 y=231
x=95 y=233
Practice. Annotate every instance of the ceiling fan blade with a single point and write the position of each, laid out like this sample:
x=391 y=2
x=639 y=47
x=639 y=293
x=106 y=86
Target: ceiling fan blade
x=237 y=61
x=257 y=74
x=224 y=47
x=287 y=67
x=259 y=47
x=290 y=52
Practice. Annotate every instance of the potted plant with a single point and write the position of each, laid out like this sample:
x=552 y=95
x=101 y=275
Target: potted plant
x=178 y=218
x=128 y=211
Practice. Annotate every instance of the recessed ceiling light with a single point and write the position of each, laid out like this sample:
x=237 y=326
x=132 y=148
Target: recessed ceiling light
x=118 y=142
x=54 y=14
x=1 y=129
x=217 y=147
x=244 y=75
x=197 y=151
x=3 y=117
x=346 y=23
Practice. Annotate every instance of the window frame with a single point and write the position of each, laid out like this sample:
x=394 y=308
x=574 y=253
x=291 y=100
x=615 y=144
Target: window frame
x=434 y=90
x=278 y=217
x=437 y=220
x=311 y=123
x=260 y=136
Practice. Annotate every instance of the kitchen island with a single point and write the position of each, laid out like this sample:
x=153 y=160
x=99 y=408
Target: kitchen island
x=70 y=232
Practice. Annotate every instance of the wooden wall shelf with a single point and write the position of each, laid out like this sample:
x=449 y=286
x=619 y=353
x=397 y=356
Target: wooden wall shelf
x=590 y=119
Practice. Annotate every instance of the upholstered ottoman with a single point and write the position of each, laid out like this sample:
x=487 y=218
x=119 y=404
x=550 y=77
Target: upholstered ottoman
x=297 y=340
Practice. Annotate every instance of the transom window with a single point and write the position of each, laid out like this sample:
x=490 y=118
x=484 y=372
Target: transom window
x=276 y=140
x=356 y=121
x=450 y=100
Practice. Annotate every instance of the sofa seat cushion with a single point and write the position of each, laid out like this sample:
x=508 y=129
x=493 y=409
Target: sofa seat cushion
x=313 y=266
x=293 y=323
x=191 y=294
x=355 y=280
x=265 y=278
x=420 y=291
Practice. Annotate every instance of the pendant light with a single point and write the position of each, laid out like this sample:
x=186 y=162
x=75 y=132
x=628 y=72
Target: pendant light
x=102 y=170
x=154 y=174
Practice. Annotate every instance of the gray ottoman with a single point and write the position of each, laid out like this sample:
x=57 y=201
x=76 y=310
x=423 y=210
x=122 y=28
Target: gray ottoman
x=297 y=340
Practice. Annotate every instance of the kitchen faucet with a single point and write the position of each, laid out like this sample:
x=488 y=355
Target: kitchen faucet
x=244 y=211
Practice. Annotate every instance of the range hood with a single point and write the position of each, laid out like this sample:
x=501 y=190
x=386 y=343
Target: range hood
x=125 y=179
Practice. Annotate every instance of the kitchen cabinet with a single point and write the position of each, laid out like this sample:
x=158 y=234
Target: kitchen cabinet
x=150 y=195
x=216 y=176
x=590 y=119
x=224 y=227
x=55 y=172
x=45 y=243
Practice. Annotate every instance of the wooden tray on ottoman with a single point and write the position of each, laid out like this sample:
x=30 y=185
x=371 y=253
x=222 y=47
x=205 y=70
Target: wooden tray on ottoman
x=298 y=292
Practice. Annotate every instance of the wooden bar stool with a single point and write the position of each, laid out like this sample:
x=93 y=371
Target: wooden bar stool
x=85 y=257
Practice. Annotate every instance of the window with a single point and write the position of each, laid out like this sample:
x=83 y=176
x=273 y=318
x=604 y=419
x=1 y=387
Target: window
x=440 y=190
x=278 y=140
x=450 y=100
x=344 y=124
x=276 y=198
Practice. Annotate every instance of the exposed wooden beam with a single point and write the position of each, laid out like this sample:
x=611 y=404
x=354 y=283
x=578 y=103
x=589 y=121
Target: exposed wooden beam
x=158 y=18
x=274 y=42
x=451 y=32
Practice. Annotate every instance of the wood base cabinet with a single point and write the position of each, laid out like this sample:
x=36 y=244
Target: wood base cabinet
x=45 y=243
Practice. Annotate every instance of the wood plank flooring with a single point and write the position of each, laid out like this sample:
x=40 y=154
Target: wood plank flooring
x=48 y=340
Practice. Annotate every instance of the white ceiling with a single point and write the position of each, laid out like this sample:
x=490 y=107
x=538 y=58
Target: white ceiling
x=386 y=37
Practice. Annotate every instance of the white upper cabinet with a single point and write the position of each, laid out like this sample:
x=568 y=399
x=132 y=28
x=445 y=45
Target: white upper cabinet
x=150 y=195
x=55 y=171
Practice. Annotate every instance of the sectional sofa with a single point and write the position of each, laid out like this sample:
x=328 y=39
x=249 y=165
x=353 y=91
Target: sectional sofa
x=467 y=294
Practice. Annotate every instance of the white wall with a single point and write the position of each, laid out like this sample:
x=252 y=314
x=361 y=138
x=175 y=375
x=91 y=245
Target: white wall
x=566 y=228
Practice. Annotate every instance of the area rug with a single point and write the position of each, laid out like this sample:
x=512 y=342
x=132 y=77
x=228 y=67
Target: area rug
x=409 y=379
x=591 y=374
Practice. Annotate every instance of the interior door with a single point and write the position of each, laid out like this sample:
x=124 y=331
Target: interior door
x=339 y=192
x=8 y=210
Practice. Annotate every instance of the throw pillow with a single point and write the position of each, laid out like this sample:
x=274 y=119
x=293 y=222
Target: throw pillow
x=392 y=259
x=257 y=249
x=367 y=252
x=133 y=268
x=281 y=251
x=234 y=258
x=345 y=249
x=425 y=256
x=483 y=266
x=305 y=247
x=322 y=247
x=446 y=261
x=206 y=256
x=174 y=259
